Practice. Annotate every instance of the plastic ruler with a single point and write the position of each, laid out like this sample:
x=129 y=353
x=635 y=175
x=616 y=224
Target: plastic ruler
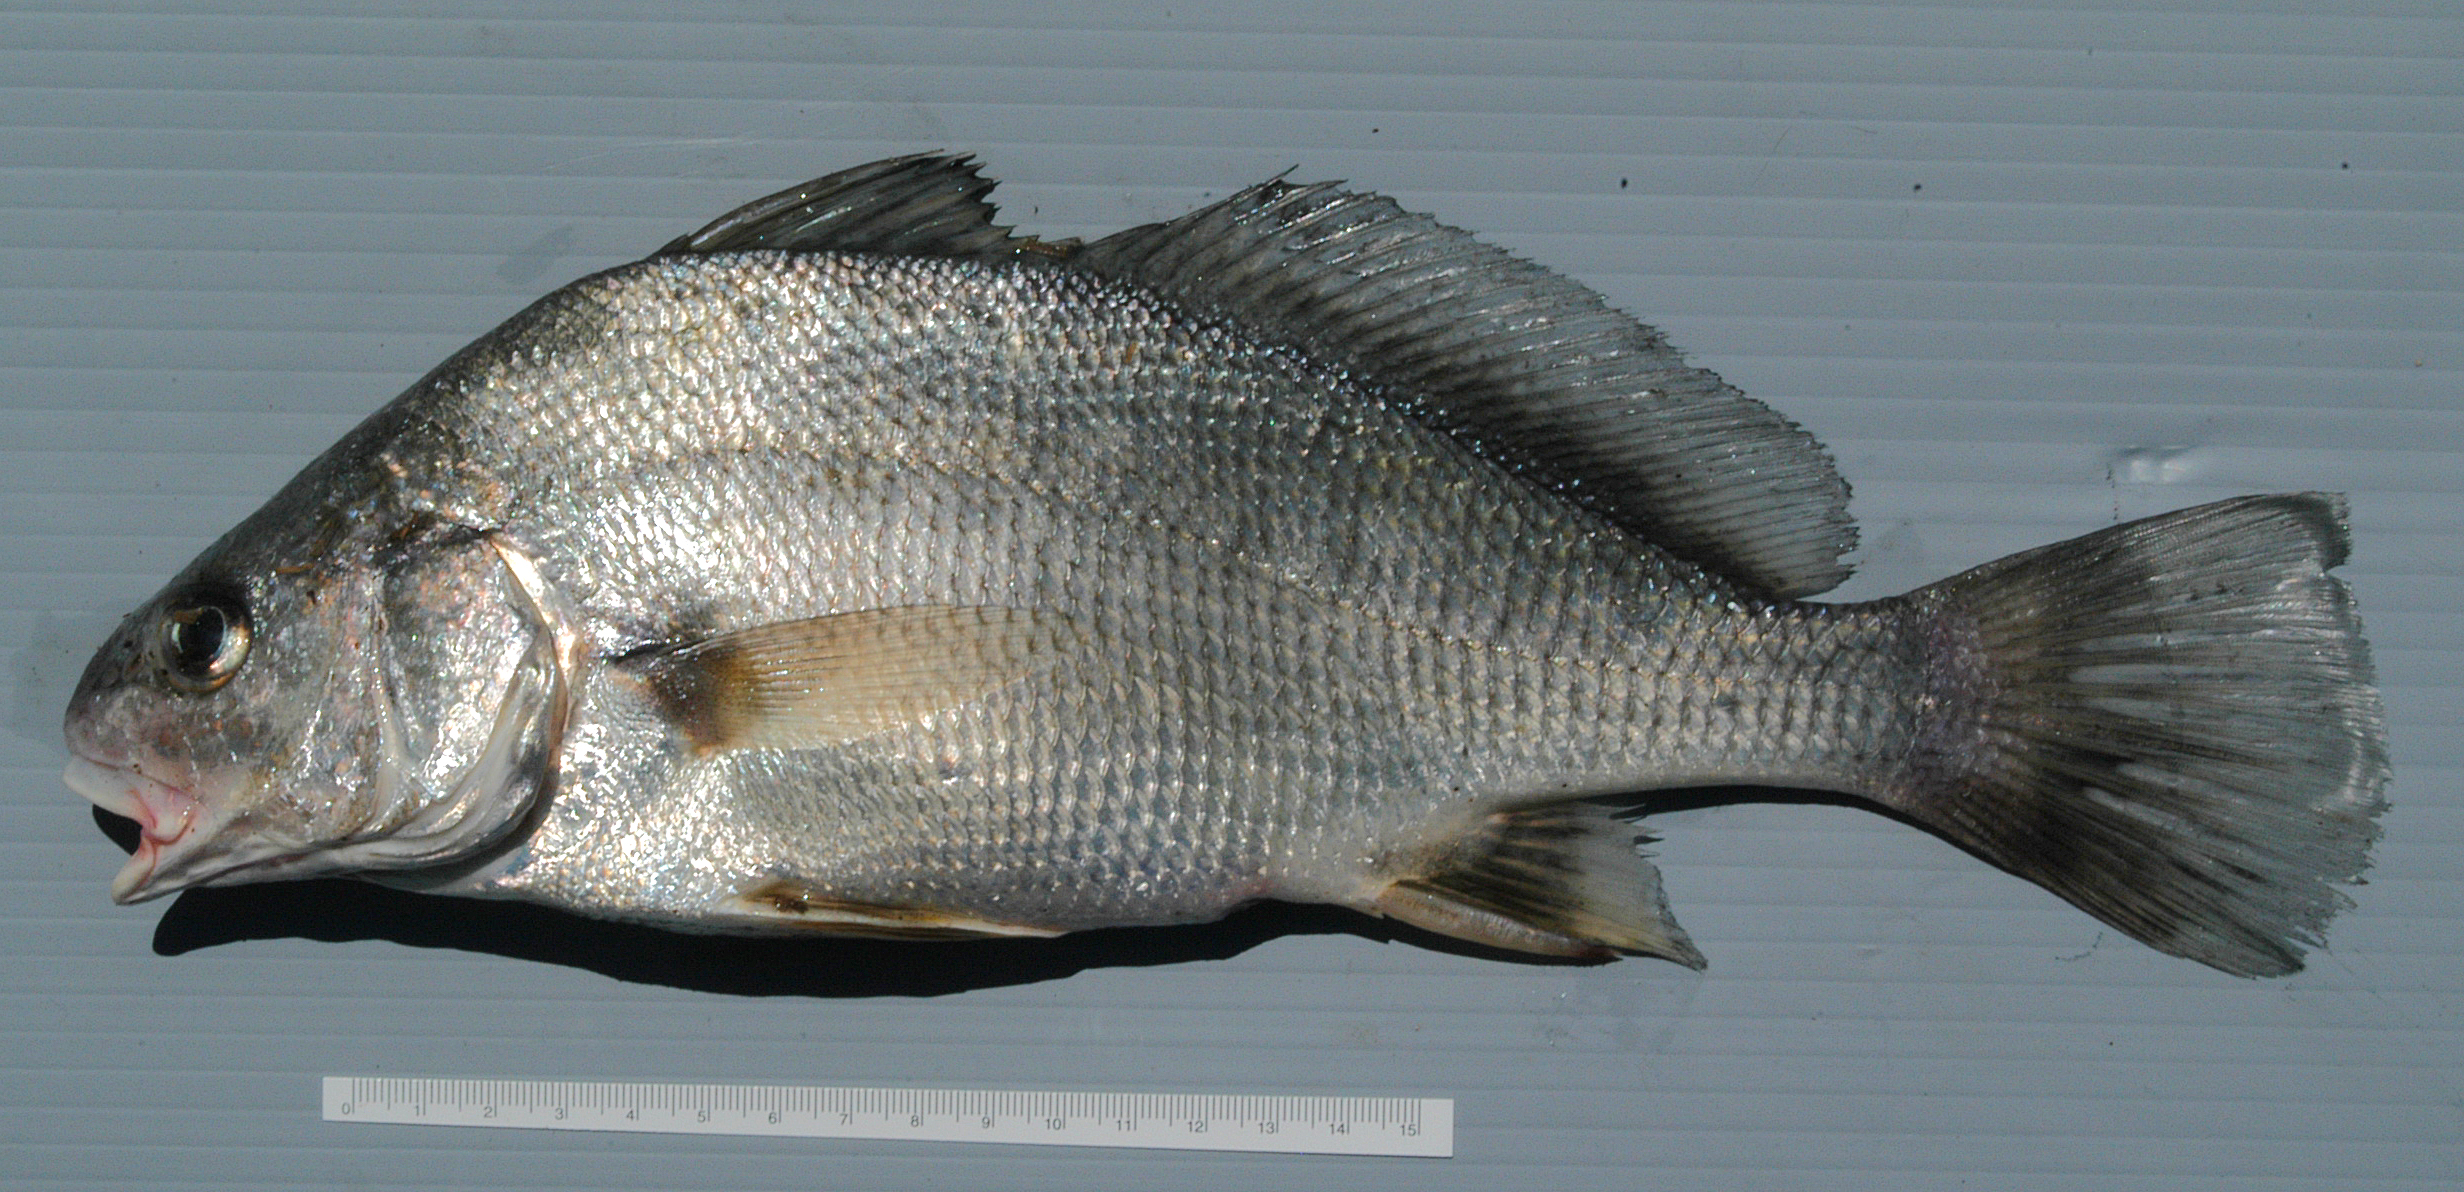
x=1315 y=1125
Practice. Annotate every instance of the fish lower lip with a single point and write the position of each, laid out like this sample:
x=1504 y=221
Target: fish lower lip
x=163 y=814
x=133 y=876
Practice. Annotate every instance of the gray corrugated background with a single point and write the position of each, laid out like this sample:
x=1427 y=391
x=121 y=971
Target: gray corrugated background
x=2027 y=270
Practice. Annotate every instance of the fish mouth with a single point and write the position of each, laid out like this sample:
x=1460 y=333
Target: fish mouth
x=164 y=815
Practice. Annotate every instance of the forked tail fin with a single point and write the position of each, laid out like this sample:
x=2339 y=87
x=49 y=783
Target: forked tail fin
x=2171 y=723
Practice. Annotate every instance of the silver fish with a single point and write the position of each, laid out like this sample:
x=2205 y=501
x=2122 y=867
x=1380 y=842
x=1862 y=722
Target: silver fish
x=853 y=565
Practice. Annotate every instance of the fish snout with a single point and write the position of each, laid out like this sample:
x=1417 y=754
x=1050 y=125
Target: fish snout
x=120 y=663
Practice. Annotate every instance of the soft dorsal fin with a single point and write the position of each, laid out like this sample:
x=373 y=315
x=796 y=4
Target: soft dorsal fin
x=1526 y=367
x=924 y=204
x=819 y=681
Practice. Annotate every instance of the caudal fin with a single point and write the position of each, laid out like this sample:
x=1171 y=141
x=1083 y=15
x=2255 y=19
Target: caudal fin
x=2171 y=723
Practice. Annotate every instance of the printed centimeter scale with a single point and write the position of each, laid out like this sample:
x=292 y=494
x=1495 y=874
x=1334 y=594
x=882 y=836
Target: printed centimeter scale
x=1291 y=1124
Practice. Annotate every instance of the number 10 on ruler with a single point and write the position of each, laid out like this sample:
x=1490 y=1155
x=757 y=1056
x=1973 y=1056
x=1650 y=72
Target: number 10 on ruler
x=1181 y=1121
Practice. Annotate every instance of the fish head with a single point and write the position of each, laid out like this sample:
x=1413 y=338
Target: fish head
x=322 y=698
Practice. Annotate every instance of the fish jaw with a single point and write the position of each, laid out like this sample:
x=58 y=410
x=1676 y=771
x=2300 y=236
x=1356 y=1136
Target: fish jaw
x=201 y=833
x=166 y=817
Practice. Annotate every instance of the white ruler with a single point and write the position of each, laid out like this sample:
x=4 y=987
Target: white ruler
x=1417 y=1126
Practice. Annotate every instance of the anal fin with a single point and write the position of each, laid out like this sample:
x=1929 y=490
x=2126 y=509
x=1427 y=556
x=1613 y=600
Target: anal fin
x=1562 y=880
x=787 y=904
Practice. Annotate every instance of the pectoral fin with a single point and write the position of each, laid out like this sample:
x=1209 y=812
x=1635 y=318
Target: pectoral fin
x=816 y=682
x=789 y=905
x=1560 y=881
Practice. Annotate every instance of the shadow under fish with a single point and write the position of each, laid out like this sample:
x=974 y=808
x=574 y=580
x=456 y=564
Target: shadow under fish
x=341 y=910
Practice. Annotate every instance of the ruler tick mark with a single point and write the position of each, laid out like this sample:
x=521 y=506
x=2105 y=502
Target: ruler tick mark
x=1317 y=1125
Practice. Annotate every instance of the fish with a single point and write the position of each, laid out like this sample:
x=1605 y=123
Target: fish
x=855 y=565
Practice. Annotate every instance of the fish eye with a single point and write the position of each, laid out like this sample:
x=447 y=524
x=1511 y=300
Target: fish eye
x=202 y=638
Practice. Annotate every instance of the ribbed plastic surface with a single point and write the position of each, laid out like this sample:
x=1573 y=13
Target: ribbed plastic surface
x=2027 y=270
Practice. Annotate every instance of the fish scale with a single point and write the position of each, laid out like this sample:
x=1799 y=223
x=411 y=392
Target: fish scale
x=1415 y=746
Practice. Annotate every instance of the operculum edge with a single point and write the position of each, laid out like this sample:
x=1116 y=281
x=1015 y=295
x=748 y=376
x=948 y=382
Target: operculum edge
x=464 y=832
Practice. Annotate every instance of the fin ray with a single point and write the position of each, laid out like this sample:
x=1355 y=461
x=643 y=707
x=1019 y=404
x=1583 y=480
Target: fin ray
x=1559 y=880
x=1526 y=367
x=823 y=680
x=925 y=204
x=789 y=904
x=2170 y=723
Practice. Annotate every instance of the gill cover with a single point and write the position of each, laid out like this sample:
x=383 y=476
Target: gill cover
x=476 y=667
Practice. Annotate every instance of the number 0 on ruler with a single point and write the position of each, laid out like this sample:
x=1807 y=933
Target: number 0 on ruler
x=1411 y=1126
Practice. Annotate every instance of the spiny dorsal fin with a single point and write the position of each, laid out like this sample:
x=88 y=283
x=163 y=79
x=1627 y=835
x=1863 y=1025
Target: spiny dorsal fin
x=1562 y=880
x=924 y=204
x=816 y=682
x=1532 y=370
